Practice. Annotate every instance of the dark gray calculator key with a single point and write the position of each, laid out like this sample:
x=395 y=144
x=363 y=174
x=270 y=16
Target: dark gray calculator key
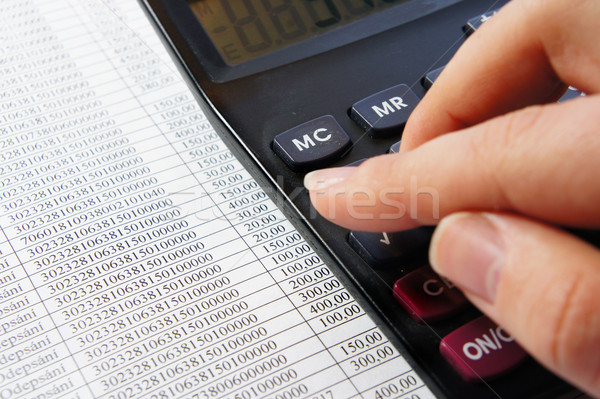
x=381 y=249
x=313 y=144
x=431 y=76
x=395 y=148
x=384 y=114
x=570 y=94
x=474 y=23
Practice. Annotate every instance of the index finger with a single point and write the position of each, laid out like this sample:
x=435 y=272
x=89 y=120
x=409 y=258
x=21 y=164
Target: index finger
x=524 y=55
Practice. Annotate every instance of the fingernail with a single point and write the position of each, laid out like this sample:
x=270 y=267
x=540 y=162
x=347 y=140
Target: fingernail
x=467 y=249
x=321 y=179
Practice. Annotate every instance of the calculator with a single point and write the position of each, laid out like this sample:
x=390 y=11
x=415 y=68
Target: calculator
x=297 y=85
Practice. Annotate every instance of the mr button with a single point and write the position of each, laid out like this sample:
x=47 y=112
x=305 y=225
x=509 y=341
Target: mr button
x=385 y=113
x=313 y=144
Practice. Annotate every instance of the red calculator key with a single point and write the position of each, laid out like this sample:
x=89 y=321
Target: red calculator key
x=481 y=350
x=427 y=296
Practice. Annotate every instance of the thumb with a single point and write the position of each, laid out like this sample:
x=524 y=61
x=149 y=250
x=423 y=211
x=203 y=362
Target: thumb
x=541 y=284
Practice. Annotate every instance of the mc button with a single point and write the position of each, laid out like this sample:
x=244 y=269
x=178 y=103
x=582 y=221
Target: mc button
x=313 y=144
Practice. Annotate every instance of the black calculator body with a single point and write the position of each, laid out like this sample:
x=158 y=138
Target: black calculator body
x=260 y=72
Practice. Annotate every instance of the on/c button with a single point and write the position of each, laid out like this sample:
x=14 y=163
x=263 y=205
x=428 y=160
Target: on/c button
x=481 y=350
x=311 y=145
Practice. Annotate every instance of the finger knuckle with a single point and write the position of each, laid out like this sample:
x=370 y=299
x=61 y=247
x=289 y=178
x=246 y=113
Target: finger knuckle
x=495 y=149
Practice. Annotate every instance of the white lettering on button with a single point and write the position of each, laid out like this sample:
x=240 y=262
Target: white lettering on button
x=321 y=130
x=433 y=287
x=388 y=106
x=303 y=145
x=385 y=239
x=308 y=142
x=486 y=16
x=432 y=291
x=398 y=102
x=483 y=345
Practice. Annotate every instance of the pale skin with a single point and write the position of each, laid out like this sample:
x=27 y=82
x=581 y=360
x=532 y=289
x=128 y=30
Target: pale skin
x=507 y=165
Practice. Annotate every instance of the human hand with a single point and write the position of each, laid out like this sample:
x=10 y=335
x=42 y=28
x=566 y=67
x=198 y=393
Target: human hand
x=490 y=153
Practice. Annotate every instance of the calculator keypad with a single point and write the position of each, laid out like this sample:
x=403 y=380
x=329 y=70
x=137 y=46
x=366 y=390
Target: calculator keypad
x=479 y=349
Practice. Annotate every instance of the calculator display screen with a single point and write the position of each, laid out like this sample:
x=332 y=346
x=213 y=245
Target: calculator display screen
x=242 y=30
